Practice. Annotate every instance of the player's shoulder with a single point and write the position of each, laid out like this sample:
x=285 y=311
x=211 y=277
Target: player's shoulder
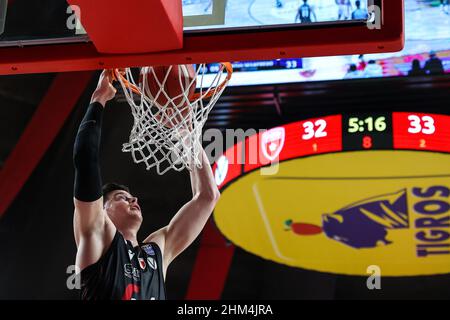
x=158 y=237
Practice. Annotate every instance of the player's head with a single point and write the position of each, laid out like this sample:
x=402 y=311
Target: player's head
x=358 y=3
x=122 y=208
x=432 y=54
x=305 y=1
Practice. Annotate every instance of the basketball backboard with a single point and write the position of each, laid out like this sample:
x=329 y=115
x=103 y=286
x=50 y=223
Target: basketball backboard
x=58 y=35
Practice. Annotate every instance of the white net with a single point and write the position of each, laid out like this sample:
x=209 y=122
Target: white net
x=170 y=105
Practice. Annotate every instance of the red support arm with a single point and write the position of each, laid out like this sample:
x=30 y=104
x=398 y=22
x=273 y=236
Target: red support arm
x=211 y=266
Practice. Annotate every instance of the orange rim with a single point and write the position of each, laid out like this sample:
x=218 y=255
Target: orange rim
x=211 y=92
x=118 y=75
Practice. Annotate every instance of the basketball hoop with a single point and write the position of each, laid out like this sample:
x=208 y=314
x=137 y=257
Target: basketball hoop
x=167 y=127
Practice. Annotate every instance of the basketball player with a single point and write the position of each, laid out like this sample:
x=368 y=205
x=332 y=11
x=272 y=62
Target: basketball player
x=305 y=12
x=344 y=9
x=113 y=264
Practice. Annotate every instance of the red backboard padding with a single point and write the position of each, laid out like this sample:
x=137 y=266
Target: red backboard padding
x=133 y=26
x=204 y=47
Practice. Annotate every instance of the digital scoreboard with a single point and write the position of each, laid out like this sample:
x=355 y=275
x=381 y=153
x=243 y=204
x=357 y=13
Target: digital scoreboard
x=371 y=196
x=336 y=133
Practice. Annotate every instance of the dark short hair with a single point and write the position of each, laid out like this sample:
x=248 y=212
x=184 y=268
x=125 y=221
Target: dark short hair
x=110 y=187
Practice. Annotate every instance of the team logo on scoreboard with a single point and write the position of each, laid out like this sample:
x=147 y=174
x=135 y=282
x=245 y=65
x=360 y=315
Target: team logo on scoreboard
x=221 y=170
x=272 y=142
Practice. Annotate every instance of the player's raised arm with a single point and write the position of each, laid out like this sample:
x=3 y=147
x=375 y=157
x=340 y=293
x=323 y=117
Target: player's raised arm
x=89 y=216
x=189 y=221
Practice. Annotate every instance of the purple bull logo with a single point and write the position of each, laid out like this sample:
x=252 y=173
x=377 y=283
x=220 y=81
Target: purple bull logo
x=368 y=223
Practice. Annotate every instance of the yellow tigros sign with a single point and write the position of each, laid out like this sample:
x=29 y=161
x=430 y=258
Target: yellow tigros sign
x=343 y=212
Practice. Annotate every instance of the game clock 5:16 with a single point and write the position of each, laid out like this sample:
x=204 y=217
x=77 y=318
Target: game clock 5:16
x=367 y=131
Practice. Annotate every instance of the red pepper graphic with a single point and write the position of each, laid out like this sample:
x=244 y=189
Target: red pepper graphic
x=302 y=228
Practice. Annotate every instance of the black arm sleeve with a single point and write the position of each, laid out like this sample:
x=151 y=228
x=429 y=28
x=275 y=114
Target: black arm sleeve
x=86 y=155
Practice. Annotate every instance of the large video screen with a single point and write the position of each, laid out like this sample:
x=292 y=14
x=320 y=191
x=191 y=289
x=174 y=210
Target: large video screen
x=426 y=52
x=24 y=22
x=202 y=15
